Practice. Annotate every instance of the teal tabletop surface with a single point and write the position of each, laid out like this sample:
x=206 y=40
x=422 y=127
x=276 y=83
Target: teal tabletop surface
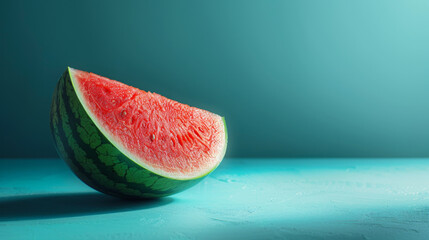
x=242 y=199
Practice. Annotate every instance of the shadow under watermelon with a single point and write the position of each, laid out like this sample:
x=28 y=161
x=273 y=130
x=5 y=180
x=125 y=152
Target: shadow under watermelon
x=45 y=206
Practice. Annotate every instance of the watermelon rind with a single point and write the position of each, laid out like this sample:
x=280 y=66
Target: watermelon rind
x=97 y=160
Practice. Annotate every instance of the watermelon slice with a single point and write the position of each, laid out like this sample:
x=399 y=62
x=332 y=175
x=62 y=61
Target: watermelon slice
x=130 y=143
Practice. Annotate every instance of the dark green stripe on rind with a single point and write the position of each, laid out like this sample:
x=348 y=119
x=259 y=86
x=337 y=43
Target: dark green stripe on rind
x=94 y=159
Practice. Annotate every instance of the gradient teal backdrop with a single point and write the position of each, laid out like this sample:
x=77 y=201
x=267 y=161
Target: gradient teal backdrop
x=295 y=78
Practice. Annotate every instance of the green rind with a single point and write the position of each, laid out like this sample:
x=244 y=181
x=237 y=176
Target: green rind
x=94 y=159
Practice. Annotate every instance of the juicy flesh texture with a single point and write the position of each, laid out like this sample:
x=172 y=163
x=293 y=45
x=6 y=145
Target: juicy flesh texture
x=160 y=133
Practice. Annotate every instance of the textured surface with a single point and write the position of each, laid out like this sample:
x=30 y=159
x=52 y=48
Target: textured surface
x=94 y=159
x=243 y=199
x=169 y=137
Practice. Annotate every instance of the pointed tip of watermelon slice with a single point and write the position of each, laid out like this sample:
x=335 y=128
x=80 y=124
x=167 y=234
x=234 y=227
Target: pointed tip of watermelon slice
x=71 y=71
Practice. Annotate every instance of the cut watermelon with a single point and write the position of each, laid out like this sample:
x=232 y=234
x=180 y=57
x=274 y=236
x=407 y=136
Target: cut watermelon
x=130 y=143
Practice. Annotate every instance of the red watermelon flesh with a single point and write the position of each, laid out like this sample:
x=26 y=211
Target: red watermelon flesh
x=162 y=135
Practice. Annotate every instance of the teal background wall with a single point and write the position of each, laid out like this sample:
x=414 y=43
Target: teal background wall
x=295 y=78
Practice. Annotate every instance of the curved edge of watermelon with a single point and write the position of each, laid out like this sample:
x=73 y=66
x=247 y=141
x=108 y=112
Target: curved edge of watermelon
x=99 y=163
x=223 y=153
